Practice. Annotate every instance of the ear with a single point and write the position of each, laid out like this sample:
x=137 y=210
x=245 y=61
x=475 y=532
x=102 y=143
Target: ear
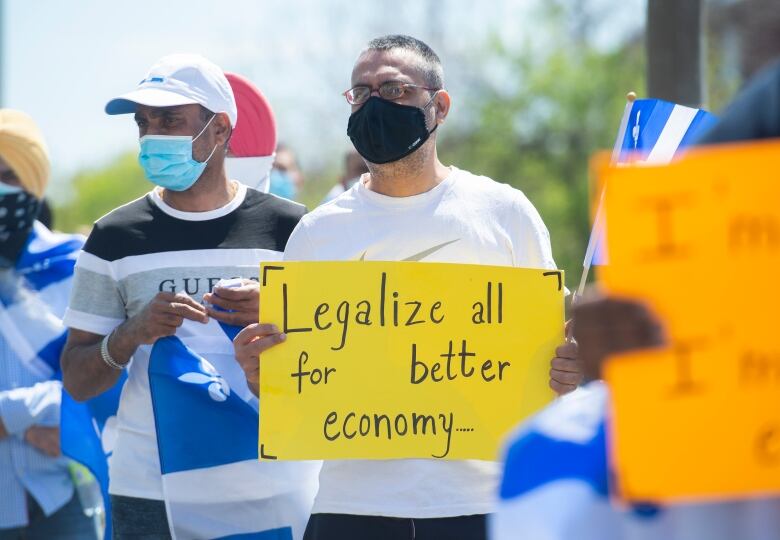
x=222 y=129
x=442 y=104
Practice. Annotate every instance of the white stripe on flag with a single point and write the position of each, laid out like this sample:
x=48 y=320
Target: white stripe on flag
x=621 y=132
x=675 y=129
x=240 y=498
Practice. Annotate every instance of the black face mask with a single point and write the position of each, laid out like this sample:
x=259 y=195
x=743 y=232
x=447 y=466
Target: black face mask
x=383 y=131
x=17 y=215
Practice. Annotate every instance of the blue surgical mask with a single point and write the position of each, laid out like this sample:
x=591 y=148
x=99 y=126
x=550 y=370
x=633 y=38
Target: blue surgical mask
x=282 y=185
x=167 y=160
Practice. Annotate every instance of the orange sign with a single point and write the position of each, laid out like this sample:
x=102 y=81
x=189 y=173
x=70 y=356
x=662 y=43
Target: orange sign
x=700 y=241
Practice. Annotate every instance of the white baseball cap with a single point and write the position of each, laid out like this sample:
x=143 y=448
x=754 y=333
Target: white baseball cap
x=180 y=79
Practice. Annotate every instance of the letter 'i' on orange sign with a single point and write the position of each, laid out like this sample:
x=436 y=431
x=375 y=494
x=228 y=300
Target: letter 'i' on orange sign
x=700 y=241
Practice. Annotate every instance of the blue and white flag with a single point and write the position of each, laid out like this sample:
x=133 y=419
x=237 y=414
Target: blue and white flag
x=652 y=132
x=556 y=487
x=32 y=302
x=88 y=433
x=33 y=298
x=207 y=434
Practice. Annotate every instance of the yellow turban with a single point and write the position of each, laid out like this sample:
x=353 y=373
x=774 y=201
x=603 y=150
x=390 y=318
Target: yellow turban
x=23 y=150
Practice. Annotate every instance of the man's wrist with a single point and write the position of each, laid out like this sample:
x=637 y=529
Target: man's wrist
x=121 y=343
x=105 y=354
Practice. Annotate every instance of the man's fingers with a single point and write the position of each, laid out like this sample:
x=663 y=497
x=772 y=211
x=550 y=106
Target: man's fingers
x=169 y=319
x=45 y=439
x=254 y=331
x=181 y=298
x=259 y=346
x=572 y=365
x=237 y=305
x=236 y=318
x=53 y=444
x=561 y=389
x=248 y=292
x=188 y=311
x=567 y=350
x=565 y=377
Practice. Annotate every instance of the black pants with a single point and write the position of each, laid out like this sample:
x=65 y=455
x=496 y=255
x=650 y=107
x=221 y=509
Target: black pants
x=138 y=519
x=67 y=523
x=350 y=527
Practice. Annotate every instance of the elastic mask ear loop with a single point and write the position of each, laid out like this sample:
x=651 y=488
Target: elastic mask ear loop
x=204 y=128
x=434 y=118
x=201 y=133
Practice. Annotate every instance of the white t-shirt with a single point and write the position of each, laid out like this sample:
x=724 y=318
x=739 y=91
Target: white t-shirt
x=465 y=219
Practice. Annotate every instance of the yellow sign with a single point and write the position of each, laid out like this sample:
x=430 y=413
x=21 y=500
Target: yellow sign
x=403 y=360
x=699 y=240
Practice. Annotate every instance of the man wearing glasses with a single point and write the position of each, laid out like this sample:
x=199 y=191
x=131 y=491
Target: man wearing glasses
x=410 y=206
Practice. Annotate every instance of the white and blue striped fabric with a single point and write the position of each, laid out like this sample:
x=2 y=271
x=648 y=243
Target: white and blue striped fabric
x=556 y=486
x=88 y=432
x=652 y=132
x=32 y=306
x=31 y=311
x=33 y=296
x=207 y=433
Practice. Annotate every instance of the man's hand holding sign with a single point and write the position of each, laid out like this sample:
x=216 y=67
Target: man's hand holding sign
x=403 y=359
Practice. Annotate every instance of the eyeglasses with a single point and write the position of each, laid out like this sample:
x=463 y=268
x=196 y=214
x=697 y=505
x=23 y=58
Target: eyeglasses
x=390 y=90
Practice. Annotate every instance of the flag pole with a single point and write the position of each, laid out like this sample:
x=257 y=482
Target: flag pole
x=598 y=220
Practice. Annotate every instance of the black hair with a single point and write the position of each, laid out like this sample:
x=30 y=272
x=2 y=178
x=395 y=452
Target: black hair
x=430 y=64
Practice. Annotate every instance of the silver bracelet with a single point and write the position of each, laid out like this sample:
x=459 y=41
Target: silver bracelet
x=106 y=356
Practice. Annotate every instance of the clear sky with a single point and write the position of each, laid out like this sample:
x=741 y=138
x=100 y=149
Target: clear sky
x=62 y=60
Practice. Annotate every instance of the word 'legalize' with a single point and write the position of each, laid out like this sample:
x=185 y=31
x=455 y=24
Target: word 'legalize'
x=397 y=360
x=390 y=310
x=698 y=240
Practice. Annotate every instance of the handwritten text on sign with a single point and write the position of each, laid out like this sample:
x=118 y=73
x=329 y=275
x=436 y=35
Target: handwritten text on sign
x=401 y=360
x=700 y=240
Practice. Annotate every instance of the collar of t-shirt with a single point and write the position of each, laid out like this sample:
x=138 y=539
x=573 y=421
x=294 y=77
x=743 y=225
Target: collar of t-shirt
x=421 y=199
x=235 y=202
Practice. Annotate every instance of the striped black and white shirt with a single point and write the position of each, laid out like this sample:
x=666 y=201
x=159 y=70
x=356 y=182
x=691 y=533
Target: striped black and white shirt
x=145 y=247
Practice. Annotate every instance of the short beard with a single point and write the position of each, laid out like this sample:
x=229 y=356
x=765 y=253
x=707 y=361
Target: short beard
x=406 y=167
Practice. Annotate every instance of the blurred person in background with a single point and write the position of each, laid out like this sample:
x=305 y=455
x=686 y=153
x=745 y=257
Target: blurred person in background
x=37 y=496
x=557 y=500
x=286 y=176
x=251 y=150
x=354 y=168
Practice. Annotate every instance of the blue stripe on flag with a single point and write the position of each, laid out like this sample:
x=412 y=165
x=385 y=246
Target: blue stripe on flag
x=536 y=459
x=219 y=428
x=51 y=352
x=230 y=331
x=81 y=427
x=56 y=271
x=701 y=123
x=645 y=123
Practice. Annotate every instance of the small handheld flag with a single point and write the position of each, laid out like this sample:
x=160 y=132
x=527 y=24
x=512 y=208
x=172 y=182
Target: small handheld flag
x=652 y=132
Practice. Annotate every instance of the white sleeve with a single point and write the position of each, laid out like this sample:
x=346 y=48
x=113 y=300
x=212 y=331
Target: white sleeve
x=96 y=303
x=21 y=408
x=299 y=246
x=530 y=238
